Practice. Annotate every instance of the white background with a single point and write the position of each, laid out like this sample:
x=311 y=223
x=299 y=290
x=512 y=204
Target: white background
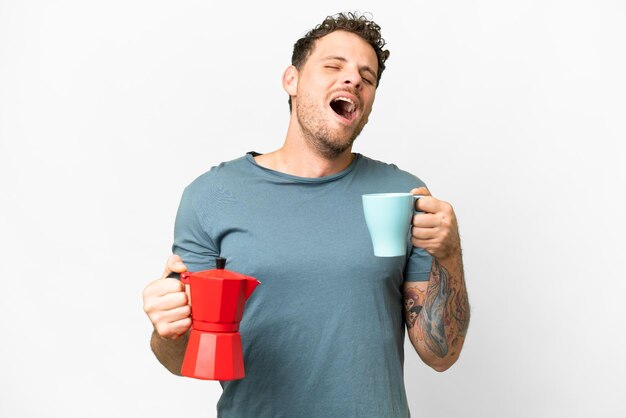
x=511 y=110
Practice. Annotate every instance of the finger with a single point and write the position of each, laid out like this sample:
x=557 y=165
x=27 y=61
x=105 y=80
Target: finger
x=428 y=204
x=173 y=330
x=426 y=220
x=424 y=234
x=157 y=289
x=171 y=301
x=421 y=191
x=425 y=244
x=174 y=315
x=162 y=287
x=174 y=264
x=154 y=302
x=180 y=327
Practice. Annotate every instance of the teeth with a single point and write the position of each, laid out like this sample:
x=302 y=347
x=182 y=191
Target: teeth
x=345 y=99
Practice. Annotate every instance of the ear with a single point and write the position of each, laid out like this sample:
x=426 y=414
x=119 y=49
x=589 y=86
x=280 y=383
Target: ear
x=290 y=80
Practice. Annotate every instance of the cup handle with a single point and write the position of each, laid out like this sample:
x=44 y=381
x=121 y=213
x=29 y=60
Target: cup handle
x=416 y=197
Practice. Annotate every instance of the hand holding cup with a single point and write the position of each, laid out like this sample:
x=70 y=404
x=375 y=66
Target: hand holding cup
x=434 y=227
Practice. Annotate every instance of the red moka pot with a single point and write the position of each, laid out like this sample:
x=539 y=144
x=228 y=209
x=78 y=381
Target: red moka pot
x=217 y=301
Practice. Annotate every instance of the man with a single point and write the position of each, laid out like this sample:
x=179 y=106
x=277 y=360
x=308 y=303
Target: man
x=323 y=333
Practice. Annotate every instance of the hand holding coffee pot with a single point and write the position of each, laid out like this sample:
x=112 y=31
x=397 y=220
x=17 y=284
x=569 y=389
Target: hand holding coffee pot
x=213 y=350
x=166 y=302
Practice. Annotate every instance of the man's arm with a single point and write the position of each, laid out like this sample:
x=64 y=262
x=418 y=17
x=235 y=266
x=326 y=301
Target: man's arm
x=170 y=353
x=437 y=316
x=437 y=312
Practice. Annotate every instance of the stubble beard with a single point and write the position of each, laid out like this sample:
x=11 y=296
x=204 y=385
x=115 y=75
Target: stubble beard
x=317 y=134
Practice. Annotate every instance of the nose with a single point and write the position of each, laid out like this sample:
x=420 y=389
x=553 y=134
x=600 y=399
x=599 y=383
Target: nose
x=352 y=77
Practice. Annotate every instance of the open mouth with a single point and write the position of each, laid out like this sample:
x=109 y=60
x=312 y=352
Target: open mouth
x=344 y=107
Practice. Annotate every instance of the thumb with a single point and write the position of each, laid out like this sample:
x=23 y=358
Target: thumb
x=174 y=265
x=420 y=191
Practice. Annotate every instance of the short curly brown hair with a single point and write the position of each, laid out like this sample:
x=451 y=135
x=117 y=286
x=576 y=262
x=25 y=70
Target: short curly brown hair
x=361 y=25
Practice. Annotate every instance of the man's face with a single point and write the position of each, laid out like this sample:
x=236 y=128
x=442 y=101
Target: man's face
x=335 y=91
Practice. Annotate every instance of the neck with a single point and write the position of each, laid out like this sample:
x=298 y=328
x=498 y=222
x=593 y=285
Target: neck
x=298 y=158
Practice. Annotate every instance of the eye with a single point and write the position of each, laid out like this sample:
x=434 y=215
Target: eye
x=368 y=81
x=331 y=67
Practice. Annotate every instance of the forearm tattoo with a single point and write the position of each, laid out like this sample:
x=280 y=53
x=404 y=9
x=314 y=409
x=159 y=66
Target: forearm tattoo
x=441 y=316
x=413 y=302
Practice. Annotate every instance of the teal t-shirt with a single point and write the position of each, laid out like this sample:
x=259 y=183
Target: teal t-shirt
x=323 y=333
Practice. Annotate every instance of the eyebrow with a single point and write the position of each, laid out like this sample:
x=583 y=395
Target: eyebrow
x=366 y=68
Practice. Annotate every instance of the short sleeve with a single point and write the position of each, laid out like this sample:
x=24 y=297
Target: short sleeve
x=418 y=265
x=191 y=239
